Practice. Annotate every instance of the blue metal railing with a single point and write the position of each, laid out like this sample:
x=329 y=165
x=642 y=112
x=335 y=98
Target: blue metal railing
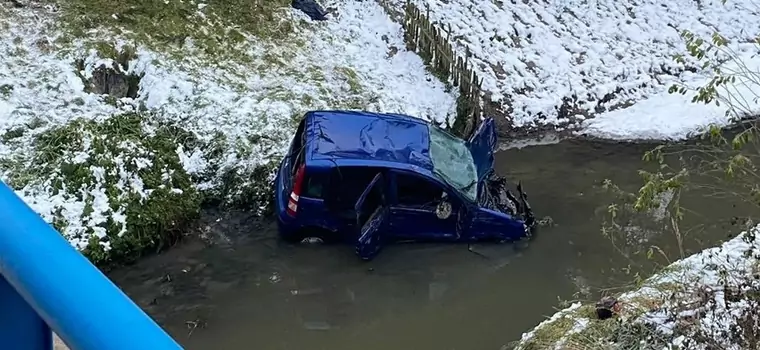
x=46 y=284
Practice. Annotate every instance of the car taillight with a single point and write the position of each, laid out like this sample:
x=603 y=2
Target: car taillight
x=296 y=193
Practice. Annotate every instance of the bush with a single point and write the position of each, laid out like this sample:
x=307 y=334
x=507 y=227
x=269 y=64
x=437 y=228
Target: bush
x=117 y=186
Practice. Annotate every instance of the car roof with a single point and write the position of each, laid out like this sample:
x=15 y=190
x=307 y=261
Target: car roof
x=374 y=139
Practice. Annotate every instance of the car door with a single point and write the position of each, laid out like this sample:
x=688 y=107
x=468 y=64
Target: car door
x=482 y=144
x=414 y=210
x=371 y=216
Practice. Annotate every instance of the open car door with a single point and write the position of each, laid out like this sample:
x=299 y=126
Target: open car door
x=371 y=215
x=482 y=144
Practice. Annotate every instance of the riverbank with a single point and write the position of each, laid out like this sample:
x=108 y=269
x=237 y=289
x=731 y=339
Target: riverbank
x=705 y=301
x=601 y=68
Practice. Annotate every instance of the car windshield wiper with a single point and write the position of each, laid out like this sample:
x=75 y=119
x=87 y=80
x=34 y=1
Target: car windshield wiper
x=467 y=188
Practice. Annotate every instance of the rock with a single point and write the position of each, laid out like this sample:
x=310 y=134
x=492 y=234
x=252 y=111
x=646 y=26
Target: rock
x=112 y=81
x=311 y=8
x=607 y=307
x=392 y=51
x=44 y=45
x=18 y=4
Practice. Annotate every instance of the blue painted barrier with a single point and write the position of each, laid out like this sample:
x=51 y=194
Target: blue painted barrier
x=20 y=326
x=63 y=290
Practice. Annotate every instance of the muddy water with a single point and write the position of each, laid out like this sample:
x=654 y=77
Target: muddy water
x=241 y=288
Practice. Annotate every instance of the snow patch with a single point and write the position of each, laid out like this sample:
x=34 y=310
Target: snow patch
x=666 y=116
x=607 y=53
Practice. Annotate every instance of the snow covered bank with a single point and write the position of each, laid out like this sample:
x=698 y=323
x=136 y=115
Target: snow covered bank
x=710 y=300
x=666 y=116
x=109 y=172
x=558 y=62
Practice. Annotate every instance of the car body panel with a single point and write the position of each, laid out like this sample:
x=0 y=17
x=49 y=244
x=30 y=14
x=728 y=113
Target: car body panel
x=420 y=222
x=365 y=136
x=482 y=145
x=488 y=224
x=370 y=219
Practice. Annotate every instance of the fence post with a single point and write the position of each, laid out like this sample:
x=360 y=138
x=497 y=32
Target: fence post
x=432 y=42
x=20 y=326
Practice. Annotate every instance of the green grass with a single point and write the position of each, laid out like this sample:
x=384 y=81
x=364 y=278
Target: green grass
x=222 y=41
x=235 y=187
x=121 y=146
x=117 y=146
x=548 y=334
x=596 y=334
x=621 y=330
x=218 y=30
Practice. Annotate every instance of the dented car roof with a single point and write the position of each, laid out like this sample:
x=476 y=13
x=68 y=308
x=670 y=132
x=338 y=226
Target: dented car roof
x=368 y=136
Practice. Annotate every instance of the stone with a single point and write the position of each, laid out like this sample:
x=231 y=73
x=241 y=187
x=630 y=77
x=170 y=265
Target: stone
x=110 y=81
x=607 y=307
x=44 y=45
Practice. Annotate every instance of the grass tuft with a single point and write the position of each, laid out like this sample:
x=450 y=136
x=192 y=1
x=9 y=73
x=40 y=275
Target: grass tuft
x=217 y=29
x=137 y=196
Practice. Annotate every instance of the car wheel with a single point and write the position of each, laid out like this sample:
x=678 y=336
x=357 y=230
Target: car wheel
x=296 y=237
x=310 y=235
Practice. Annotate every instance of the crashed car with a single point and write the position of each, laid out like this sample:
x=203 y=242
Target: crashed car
x=373 y=179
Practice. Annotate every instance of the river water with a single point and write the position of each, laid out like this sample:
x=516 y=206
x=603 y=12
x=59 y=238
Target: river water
x=239 y=287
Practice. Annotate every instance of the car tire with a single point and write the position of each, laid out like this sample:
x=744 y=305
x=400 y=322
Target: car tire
x=309 y=232
x=294 y=238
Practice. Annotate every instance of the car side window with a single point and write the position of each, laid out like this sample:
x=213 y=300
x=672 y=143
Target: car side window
x=417 y=191
x=315 y=185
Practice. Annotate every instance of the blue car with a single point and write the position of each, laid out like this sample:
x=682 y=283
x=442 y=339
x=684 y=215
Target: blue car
x=372 y=179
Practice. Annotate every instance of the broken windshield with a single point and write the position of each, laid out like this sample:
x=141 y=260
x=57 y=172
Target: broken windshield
x=453 y=163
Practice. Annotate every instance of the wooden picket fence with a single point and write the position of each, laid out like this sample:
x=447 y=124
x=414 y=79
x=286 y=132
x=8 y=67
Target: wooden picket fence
x=432 y=43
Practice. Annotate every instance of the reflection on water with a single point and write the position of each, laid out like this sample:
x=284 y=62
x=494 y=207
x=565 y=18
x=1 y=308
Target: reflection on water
x=248 y=290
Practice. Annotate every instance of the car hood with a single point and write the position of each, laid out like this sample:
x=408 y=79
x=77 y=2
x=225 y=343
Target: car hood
x=482 y=145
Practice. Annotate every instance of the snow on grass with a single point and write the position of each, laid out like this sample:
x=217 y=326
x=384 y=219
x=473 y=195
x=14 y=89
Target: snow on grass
x=666 y=116
x=112 y=172
x=709 y=300
x=590 y=56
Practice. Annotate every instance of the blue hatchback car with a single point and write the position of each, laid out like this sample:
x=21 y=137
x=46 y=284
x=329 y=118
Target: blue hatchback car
x=375 y=178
